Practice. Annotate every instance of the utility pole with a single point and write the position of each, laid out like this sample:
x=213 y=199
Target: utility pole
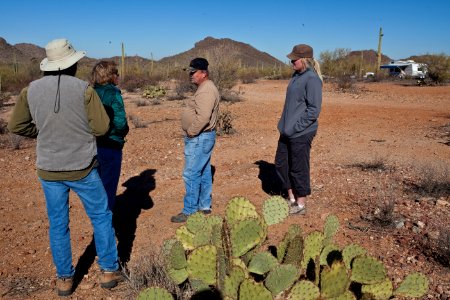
x=380 y=36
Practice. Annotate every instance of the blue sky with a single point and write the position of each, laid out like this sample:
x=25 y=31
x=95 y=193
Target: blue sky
x=164 y=28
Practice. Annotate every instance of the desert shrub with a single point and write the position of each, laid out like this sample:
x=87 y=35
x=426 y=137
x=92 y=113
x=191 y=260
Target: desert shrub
x=182 y=87
x=141 y=102
x=152 y=91
x=344 y=83
x=230 y=96
x=16 y=141
x=225 y=123
x=436 y=244
x=4 y=97
x=3 y=126
x=137 y=122
x=134 y=82
x=434 y=181
x=149 y=270
x=378 y=163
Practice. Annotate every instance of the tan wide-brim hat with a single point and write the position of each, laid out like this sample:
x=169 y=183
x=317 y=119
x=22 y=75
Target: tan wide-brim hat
x=60 y=55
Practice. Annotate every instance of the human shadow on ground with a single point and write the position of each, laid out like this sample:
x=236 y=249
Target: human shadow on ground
x=126 y=211
x=270 y=182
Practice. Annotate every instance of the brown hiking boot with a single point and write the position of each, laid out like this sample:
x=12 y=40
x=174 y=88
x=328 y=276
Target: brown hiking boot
x=64 y=286
x=108 y=280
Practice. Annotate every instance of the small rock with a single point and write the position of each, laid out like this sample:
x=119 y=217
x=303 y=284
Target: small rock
x=416 y=229
x=420 y=224
x=441 y=202
x=86 y=285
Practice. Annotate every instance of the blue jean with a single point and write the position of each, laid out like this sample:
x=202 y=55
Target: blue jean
x=93 y=196
x=110 y=162
x=197 y=172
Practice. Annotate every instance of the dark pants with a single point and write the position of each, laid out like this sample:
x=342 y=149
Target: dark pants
x=110 y=163
x=292 y=163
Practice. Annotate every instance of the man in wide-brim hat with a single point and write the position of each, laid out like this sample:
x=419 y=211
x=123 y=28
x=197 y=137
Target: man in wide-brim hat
x=65 y=115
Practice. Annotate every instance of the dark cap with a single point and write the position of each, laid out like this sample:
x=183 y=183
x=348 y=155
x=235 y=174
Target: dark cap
x=198 y=63
x=301 y=51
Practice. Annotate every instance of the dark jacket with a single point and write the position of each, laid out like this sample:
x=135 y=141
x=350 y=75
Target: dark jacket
x=302 y=105
x=118 y=128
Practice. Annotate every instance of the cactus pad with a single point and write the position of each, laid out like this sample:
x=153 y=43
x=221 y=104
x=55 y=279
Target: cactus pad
x=368 y=270
x=326 y=251
x=414 y=285
x=174 y=255
x=245 y=235
x=378 y=291
x=304 y=290
x=202 y=264
x=281 y=278
x=275 y=210
x=155 y=293
x=313 y=247
x=330 y=228
x=240 y=208
x=196 y=222
x=232 y=282
x=350 y=252
x=250 y=290
x=178 y=276
x=262 y=263
x=334 y=280
x=185 y=237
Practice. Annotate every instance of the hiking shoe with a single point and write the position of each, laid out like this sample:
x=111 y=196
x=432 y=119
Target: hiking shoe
x=64 y=286
x=297 y=210
x=206 y=211
x=290 y=202
x=180 y=218
x=108 y=280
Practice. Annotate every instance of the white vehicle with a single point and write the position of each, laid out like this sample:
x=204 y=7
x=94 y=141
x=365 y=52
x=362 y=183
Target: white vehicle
x=402 y=69
x=369 y=75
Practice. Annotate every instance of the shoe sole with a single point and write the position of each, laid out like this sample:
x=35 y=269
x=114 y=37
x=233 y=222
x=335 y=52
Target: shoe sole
x=64 y=293
x=109 y=285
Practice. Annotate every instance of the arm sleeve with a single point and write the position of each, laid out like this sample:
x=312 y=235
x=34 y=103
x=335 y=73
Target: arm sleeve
x=97 y=116
x=313 y=104
x=120 y=118
x=21 y=122
x=204 y=104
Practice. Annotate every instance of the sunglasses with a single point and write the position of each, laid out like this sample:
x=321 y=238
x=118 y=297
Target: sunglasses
x=293 y=61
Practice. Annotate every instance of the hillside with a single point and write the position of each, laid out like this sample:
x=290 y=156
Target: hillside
x=225 y=49
x=369 y=56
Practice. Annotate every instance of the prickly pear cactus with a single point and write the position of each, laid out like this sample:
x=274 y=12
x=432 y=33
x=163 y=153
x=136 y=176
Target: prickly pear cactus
x=378 y=291
x=350 y=252
x=414 y=285
x=202 y=264
x=275 y=210
x=251 y=290
x=326 y=251
x=330 y=228
x=294 y=231
x=334 y=281
x=245 y=235
x=294 y=251
x=281 y=278
x=368 y=270
x=238 y=209
x=262 y=263
x=174 y=254
x=313 y=247
x=155 y=293
x=304 y=290
x=185 y=237
x=178 y=276
x=196 y=222
x=233 y=281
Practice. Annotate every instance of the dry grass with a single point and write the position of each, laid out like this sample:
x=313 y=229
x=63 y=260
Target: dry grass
x=434 y=181
x=148 y=271
x=137 y=122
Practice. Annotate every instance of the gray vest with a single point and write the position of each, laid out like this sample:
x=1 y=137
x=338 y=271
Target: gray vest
x=65 y=141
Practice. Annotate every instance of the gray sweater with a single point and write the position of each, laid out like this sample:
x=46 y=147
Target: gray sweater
x=302 y=105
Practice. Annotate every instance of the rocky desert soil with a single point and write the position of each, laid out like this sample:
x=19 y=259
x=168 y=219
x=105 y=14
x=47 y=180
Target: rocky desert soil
x=380 y=163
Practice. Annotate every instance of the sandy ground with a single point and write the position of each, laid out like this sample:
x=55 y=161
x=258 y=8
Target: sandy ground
x=404 y=129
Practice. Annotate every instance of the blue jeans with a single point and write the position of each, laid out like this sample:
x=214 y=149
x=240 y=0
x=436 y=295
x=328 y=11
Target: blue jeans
x=197 y=172
x=110 y=162
x=93 y=196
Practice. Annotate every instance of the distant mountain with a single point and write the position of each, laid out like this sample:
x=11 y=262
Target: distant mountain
x=369 y=56
x=223 y=49
x=20 y=53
